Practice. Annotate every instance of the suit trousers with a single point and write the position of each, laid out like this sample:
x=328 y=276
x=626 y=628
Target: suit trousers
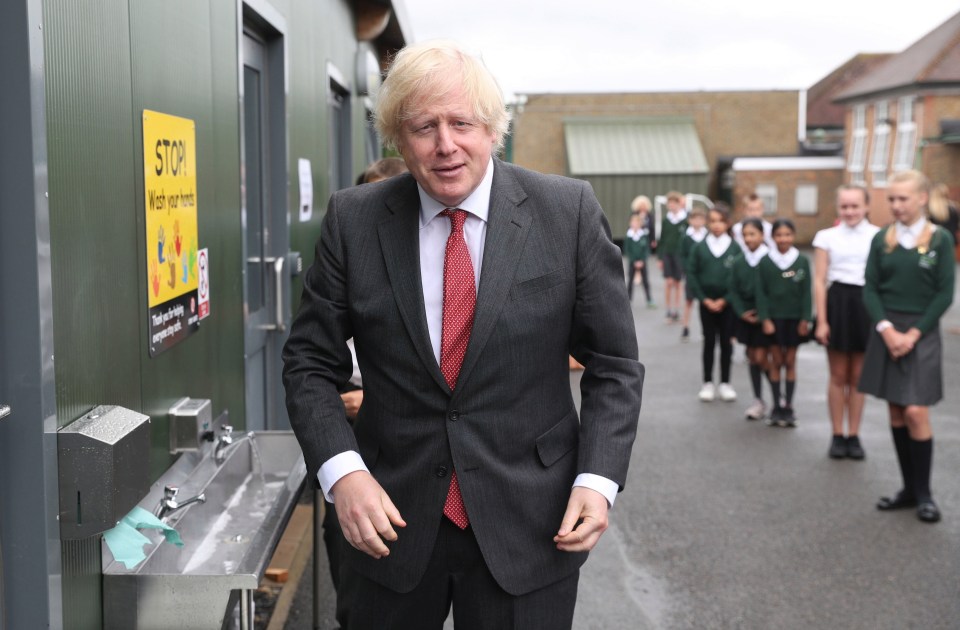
x=457 y=575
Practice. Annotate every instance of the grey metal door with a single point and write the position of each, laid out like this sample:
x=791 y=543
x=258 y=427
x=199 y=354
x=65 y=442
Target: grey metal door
x=265 y=231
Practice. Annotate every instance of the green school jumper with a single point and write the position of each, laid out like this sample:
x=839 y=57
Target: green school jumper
x=910 y=281
x=636 y=250
x=708 y=276
x=784 y=293
x=670 y=235
x=743 y=292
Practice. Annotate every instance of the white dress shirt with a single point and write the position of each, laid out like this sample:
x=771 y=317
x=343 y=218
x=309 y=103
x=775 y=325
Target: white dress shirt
x=907 y=235
x=847 y=248
x=434 y=231
x=754 y=257
x=718 y=244
x=784 y=260
x=696 y=234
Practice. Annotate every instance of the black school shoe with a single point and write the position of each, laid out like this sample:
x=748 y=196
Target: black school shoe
x=899 y=501
x=838 y=447
x=928 y=512
x=854 y=450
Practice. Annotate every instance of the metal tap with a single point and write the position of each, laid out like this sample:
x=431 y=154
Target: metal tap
x=226 y=440
x=169 y=504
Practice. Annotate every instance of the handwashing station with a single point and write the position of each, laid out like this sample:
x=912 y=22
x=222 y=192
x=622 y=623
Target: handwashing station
x=227 y=498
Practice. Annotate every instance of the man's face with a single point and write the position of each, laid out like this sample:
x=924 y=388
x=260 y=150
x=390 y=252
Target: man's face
x=446 y=148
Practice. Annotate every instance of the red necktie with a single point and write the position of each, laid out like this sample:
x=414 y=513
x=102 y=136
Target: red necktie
x=459 y=300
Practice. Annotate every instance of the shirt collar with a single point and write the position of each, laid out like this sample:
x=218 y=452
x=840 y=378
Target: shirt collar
x=754 y=257
x=477 y=203
x=723 y=241
x=784 y=261
x=856 y=228
x=696 y=234
x=914 y=230
x=678 y=217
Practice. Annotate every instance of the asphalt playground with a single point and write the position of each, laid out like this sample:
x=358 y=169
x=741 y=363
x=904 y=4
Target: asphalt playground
x=728 y=523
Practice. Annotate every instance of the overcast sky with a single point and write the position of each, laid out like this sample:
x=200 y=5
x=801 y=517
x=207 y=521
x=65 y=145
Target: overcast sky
x=661 y=45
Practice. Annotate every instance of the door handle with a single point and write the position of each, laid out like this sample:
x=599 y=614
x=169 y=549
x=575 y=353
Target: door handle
x=278 y=276
x=4 y=411
x=277 y=262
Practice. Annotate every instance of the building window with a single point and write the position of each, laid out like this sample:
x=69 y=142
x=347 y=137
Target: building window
x=903 y=152
x=880 y=151
x=858 y=145
x=805 y=199
x=768 y=193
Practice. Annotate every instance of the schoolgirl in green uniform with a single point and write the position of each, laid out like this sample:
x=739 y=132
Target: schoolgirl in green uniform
x=743 y=300
x=784 y=307
x=708 y=276
x=909 y=286
x=673 y=225
x=636 y=248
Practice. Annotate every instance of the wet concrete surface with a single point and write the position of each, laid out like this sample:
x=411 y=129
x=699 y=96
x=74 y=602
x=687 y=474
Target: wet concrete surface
x=727 y=523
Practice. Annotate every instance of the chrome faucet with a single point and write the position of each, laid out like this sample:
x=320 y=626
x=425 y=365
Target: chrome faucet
x=226 y=440
x=169 y=504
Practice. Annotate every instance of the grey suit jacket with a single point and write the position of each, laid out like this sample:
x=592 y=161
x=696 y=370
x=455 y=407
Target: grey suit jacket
x=551 y=284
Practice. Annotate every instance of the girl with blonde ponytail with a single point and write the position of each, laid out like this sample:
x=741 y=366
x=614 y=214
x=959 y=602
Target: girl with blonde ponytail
x=909 y=281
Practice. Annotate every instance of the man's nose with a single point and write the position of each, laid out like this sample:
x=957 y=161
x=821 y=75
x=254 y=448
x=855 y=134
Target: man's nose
x=445 y=143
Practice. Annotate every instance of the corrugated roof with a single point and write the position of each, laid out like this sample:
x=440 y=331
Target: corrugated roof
x=632 y=146
x=934 y=58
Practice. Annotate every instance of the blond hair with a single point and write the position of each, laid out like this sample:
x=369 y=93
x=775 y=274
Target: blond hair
x=939 y=205
x=432 y=70
x=640 y=201
x=921 y=184
x=673 y=195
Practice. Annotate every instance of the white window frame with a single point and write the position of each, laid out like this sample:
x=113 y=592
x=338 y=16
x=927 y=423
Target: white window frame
x=906 y=144
x=768 y=193
x=880 y=149
x=858 y=145
x=805 y=199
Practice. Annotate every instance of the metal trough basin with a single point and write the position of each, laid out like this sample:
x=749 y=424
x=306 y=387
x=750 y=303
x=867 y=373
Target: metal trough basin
x=228 y=540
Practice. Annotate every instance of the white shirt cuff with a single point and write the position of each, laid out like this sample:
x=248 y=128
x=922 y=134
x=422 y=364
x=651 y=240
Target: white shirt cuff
x=602 y=485
x=337 y=467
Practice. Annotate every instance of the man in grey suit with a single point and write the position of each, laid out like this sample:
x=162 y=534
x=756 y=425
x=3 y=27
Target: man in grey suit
x=468 y=478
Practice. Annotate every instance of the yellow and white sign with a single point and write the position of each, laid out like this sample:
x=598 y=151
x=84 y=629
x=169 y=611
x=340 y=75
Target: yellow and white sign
x=170 y=198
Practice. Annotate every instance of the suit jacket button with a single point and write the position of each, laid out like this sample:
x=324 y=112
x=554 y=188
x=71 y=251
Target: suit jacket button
x=454 y=416
x=441 y=471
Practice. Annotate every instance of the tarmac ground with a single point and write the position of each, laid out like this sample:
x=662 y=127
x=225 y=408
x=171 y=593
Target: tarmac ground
x=728 y=523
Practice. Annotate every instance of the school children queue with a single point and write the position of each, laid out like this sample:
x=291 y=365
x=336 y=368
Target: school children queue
x=874 y=300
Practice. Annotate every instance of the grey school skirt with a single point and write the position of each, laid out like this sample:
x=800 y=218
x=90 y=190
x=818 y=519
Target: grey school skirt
x=915 y=379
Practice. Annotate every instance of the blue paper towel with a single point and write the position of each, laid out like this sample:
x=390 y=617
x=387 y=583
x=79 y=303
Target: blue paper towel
x=126 y=543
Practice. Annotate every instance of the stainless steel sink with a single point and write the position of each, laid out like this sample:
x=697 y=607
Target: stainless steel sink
x=228 y=539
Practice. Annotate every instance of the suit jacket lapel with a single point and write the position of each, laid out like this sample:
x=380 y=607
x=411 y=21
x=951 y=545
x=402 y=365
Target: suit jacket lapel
x=507 y=227
x=400 y=242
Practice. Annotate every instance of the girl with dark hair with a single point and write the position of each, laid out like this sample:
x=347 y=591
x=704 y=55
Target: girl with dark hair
x=783 y=305
x=708 y=276
x=743 y=300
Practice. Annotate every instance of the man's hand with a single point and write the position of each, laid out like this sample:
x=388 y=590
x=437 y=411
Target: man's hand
x=366 y=513
x=750 y=316
x=589 y=508
x=351 y=402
